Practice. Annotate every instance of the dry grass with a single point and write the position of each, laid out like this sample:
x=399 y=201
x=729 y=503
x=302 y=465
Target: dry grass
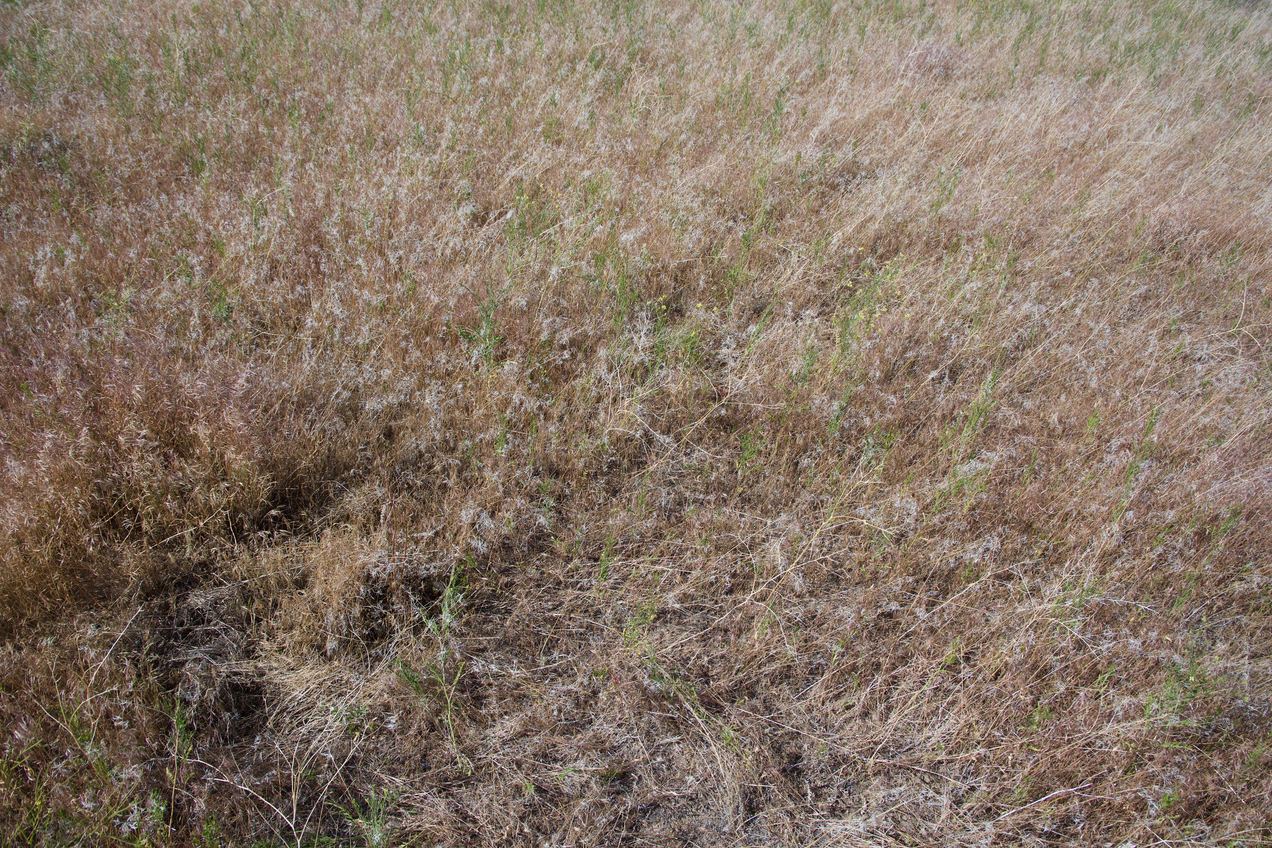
x=799 y=423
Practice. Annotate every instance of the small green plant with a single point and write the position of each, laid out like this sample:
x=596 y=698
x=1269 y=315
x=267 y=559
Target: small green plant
x=533 y=215
x=875 y=448
x=209 y=835
x=483 y=339
x=865 y=305
x=1039 y=718
x=38 y=813
x=605 y=561
x=370 y=818
x=638 y=623
x=683 y=690
x=354 y=718
x=806 y=366
x=947 y=180
x=116 y=307
x=438 y=683
x=1184 y=684
x=1071 y=603
x=1167 y=802
x=117 y=76
x=439 y=687
x=182 y=743
x=977 y=414
x=750 y=444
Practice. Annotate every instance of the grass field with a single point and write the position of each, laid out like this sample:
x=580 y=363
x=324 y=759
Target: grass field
x=685 y=423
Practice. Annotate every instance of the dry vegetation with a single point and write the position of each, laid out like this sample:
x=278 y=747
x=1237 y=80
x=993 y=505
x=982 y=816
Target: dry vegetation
x=811 y=423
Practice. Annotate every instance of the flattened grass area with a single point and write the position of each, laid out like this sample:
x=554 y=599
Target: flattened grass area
x=686 y=423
